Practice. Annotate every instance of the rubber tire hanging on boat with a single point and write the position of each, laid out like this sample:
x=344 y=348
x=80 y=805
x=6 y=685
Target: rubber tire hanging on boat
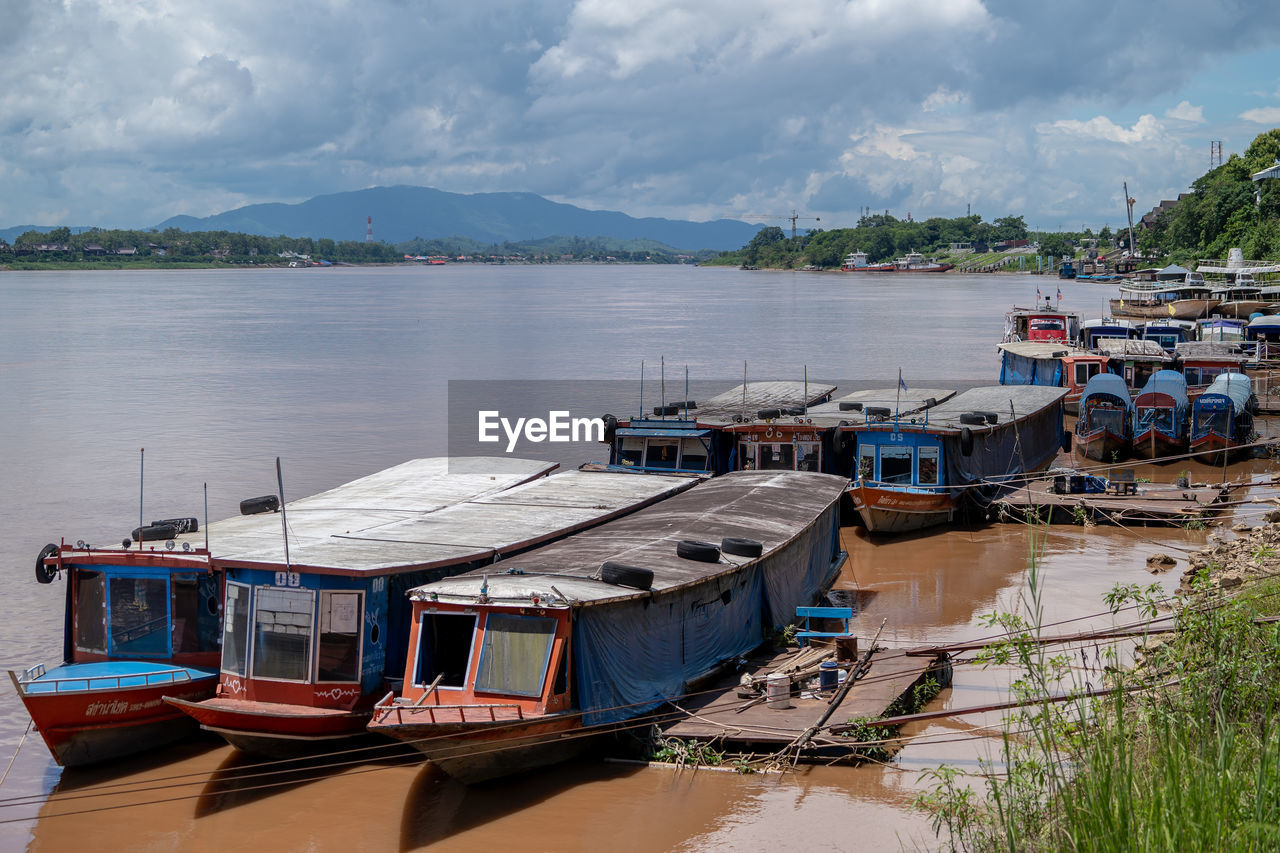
x=610 y=428
x=878 y=411
x=253 y=506
x=620 y=574
x=1066 y=441
x=740 y=547
x=974 y=418
x=847 y=406
x=966 y=441
x=665 y=410
x=769 y=414
x=44 y=574
x=992 y=417
x=154 y=532
x=702 y=552
x=182 y=525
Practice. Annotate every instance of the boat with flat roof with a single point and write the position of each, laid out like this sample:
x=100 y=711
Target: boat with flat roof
x=144 y=621
x=921 y=471
x=518 y=665
x=313 y=637
x=1176 y=293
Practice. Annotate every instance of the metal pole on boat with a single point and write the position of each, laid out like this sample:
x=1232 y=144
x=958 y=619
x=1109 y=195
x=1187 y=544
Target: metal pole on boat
x=284 y=523
x=142 y=469
x=805 y=404
x=642 y=388
x=662 y=383
x=206 y=516
x=686 y=391
x=744 y=390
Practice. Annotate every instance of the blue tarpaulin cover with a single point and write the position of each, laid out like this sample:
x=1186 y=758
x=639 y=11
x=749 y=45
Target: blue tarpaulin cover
x=632 y=656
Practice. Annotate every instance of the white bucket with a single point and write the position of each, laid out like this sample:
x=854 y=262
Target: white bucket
x=777 y=690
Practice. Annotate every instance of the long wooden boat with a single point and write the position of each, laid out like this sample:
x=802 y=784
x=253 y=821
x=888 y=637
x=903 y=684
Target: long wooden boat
x=1104 y=428
x=1222 y=417
x=921 y=471
x=313 y=638
x=1161 y=410
x=1188 y=299
x=144 y=621
x=516 y=666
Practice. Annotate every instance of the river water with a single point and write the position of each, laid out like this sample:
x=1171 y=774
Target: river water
x=345 y=371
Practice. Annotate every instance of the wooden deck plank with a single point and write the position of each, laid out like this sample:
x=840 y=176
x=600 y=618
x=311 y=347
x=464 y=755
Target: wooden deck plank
x=1152 y=503
x=740 y=722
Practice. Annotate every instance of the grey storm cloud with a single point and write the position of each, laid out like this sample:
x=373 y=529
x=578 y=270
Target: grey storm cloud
x=125 y=113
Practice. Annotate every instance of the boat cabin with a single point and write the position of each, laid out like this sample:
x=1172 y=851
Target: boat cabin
x=707 y=439
x=1042 y=323
x=1134 y=361
x=1168 y=333
x=1052 y=364
x=1093 y=331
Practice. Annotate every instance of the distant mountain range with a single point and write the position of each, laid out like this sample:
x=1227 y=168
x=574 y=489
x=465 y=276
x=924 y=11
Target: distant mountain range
x=403 y=213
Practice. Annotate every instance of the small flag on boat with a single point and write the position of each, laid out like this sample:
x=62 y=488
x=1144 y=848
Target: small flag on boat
x=901 y=384
x=1037 y=294
x=1059 y=294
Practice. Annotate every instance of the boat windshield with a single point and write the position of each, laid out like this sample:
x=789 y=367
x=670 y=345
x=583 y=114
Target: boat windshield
x=1159 y=417
x=282 y=633
x=895 y=465
x=150 y=616
x=515 y=654
x=1107 y=418
x=1215 y=421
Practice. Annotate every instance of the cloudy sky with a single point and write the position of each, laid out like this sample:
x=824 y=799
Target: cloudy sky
x=121 y=113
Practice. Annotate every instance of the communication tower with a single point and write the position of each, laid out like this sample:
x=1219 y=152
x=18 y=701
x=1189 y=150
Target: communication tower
x=368 y=231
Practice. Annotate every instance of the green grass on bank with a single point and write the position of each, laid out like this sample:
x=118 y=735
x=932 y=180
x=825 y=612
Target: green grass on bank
x=1185 y=755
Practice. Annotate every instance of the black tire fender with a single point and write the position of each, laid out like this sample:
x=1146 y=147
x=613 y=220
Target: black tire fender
x=878 y=411
x=973 y=418
x=44 y=574
x=154 y=532
x=620 y=574
x=702 y=552
x=662 y=411
x=253 y=506
x=610 y=428
x=966 y=441
x=769 y=414
x=182 y=525
x=1066 y=441
x=740 y=547
x=992 y=417
x=847 y=406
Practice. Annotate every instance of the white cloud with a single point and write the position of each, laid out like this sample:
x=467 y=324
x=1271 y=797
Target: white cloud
x=1185 y=112
x=1262 y=115
x=1103 y=128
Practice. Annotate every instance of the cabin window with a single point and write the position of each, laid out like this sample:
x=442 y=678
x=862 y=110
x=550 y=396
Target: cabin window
x=895 y=465
x=808 y=456
x=91 y=615
x=444 y=648
x=746 y=456
x=662 y=453
x=338 y=652
x=1107 y=418
x=282 y=633
x=1215 y=421
x=1085 y=370
x=928 y=466
x=631 y=451
x=514 y=656
x=193 y=601
x=867 y=462
x=777 y=457
x=1159 y=417
x=139 y=614
x=693 y=454
x=235 y=630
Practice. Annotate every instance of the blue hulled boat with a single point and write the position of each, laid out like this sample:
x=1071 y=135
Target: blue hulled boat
x=1161 y=426
x=1104 y=430
x=1222 y=417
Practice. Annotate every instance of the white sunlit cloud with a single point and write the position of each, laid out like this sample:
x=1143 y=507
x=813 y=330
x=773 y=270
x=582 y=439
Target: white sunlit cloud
x=1262 y=115
x=1185 y=112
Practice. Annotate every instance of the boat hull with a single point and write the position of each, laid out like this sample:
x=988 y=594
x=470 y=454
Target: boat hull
x=1216 y=449
x=275 y=730
x=88 y=718
x=474 y=752
x=1154 y=444
x=1241 y=309
x=1183 y=309
x=894 y=511
x=1102 y=445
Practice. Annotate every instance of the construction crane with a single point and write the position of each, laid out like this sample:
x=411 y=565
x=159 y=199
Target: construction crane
x=793 y=217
